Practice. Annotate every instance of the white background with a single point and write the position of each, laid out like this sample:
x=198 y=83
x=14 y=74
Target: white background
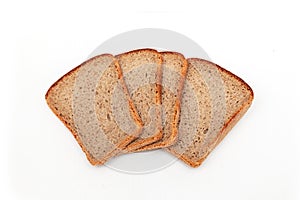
x=257 y=40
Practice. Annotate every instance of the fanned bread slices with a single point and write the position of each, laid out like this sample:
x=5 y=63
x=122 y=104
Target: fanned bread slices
x=144 y=100
x=142 y=72
x=213 y=101
x=174 y=72
x=84 y=100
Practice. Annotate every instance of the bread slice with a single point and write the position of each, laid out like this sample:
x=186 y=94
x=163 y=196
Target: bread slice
x=83 y=99
x=142 y=72
x=174 y=73
x=213 y=101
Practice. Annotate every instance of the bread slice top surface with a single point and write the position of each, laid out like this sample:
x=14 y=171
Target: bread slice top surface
x=174 y=72
x=142 y=73
x=81 y=99
x=228 y=99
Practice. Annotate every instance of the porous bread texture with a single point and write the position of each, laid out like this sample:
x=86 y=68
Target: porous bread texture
x=81 y=99
x=212 y=124
x=142 y=73
x=174 y=72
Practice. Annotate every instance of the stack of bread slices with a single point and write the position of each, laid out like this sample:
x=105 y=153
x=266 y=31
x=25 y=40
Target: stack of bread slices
x=145 y=100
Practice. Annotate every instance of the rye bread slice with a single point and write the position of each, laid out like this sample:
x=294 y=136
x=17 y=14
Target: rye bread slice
x=84 y=100
x=220 y=100
x=174 y=73
x=142 y=72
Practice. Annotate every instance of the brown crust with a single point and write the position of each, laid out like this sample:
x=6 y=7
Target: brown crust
x=122 y=144
x=136 y=51
x=90 y=158
x=71 y=71
x=173 y=136
x=228 y=125
x=138 y=142
x=133 y=110
x=228 y=72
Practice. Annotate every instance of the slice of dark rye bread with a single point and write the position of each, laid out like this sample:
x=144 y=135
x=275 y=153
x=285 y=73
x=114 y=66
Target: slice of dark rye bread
x=222 y=99
x=142 y=72
x=82 y=100
x=174 y=73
